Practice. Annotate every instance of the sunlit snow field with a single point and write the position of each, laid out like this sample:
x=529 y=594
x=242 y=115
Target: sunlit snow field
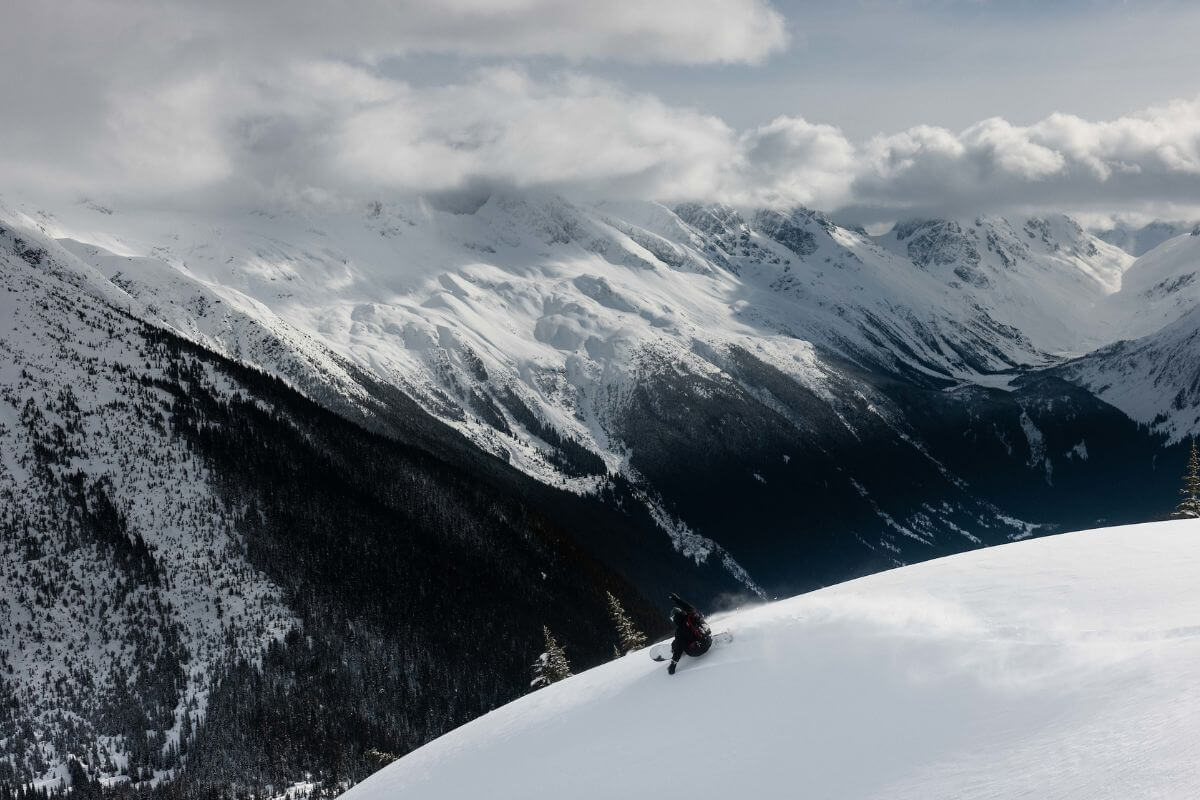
x=1061 y=667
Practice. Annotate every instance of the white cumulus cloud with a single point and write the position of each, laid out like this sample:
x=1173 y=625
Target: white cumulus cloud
x=1134 y=162
x=219 y=101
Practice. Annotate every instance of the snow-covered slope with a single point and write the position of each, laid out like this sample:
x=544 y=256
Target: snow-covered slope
x=1041 y=276
x=1138 y=241
x=1153 y=373
x=789 y=402
x=1158 y=288
x=1155 y=380
x=1064 y=667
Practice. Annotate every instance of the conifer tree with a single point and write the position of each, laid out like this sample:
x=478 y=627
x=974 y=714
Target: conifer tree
x=551 y=666
x=1189 y=508
x=628 y=636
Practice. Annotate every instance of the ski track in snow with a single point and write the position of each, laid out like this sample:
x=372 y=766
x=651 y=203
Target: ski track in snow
x=1060 y=668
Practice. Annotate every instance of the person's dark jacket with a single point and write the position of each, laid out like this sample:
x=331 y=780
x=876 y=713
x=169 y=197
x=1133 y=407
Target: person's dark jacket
x=692 y=635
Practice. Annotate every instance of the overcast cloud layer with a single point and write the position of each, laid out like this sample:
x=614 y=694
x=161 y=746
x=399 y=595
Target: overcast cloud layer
x=166 y=102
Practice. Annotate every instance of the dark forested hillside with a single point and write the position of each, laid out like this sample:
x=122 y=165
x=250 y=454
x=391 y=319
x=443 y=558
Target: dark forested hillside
x=214 y=584
x=802 y=499
x=421 y=587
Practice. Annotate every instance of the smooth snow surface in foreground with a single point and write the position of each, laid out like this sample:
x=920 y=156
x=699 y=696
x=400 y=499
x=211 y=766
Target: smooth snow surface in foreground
x=1060 y=667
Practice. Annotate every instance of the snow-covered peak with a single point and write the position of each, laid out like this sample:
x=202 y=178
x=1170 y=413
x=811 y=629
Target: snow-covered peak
x=1160 y=286
x=1042 y=276
x=1153 y=372
x=1155 y=380
x=1137 y=240
x=980 y=251
x=1060 y=667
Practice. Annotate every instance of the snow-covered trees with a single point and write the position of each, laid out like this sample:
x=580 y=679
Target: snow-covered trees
x=178 y=559
x=628 y=636
x=551 y=666
x=1189 y=507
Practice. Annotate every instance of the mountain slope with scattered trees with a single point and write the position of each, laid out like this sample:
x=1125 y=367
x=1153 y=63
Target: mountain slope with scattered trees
x=203 y=567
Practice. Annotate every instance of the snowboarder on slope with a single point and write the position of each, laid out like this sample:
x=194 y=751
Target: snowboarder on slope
x=692 y=634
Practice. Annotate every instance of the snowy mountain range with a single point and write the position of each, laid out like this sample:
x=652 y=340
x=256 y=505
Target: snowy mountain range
x=723 y=401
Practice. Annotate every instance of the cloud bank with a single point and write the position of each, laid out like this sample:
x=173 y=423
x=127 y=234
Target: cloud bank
x=1140 y=161
x=272 y=100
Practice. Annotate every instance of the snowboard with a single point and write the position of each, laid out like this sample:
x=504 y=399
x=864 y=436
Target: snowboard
x=662 y=650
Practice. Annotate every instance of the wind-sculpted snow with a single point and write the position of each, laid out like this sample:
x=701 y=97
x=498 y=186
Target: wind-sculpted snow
x=1063 y=667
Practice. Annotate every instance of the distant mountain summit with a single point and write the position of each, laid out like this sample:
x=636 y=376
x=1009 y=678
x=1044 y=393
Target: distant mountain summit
x=1138 y=241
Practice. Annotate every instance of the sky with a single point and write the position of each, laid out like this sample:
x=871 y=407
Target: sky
x=872 y=110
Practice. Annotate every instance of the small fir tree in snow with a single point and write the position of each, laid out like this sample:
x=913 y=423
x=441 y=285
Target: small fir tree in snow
x=551 y=666
x=1189 y=508
x=383 y=758
x=628 y=635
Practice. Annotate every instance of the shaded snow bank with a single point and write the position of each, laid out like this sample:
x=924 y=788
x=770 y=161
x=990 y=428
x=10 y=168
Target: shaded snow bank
x=1062 y=667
